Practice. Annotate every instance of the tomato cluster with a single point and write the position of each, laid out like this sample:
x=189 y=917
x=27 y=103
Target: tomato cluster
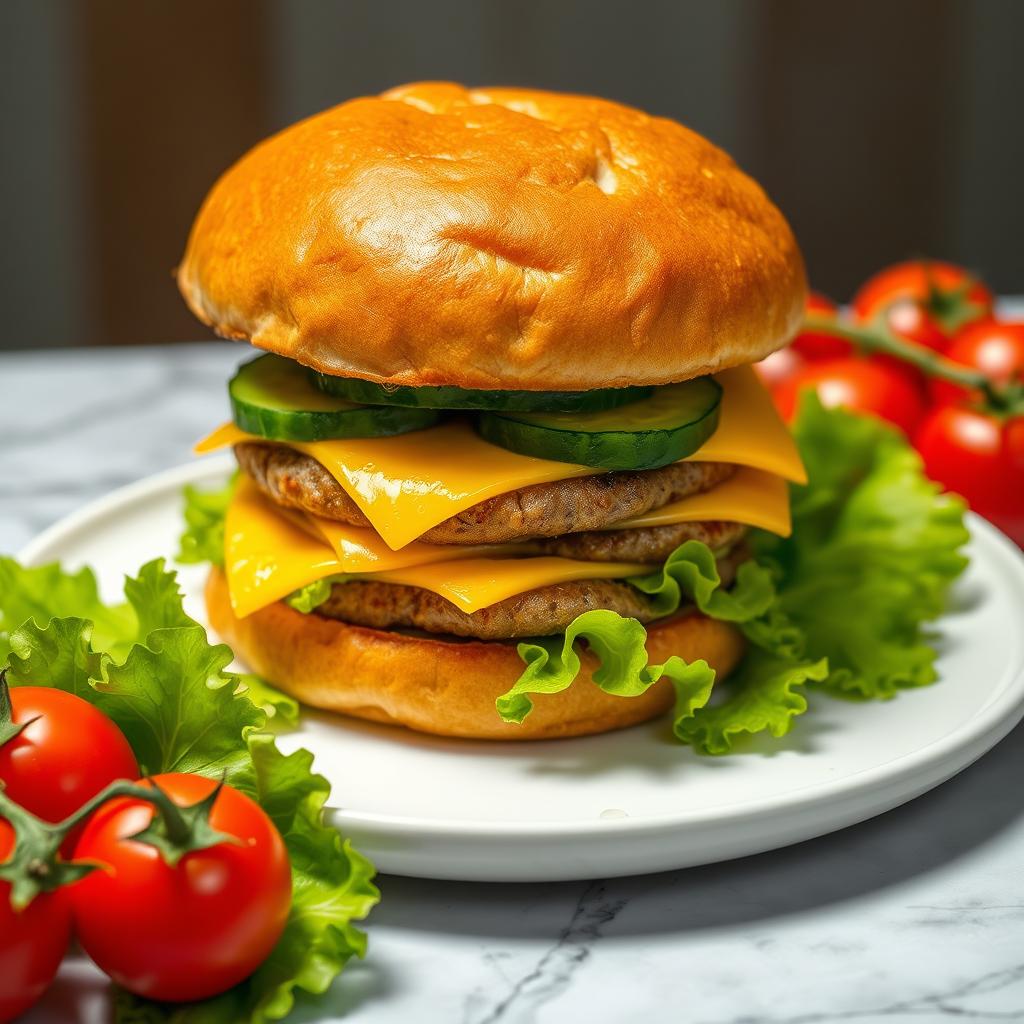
x=970 y=442
x=164 y=923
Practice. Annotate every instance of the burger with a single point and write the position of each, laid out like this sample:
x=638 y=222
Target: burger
x=505 y=434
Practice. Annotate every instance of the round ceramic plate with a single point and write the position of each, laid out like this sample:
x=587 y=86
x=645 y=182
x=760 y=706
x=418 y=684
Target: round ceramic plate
x=631 y=801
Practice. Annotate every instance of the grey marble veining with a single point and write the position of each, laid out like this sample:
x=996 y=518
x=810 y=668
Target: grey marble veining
x=917 y=915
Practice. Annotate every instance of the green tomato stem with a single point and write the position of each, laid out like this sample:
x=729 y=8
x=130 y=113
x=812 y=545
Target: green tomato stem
x=174 y=822
x=6 y=712
x=929 y=362
x=8 y=730
x=35 y=866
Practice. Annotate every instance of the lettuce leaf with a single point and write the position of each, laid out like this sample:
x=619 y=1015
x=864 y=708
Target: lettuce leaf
x=155 y=597
x=552 y=663
x=177 y=705
x=841 y=606
x=272 y=702
x=690 y=573
x=874 y=550
x=335 y=879
x=203 y=539
x=765 y=694
x=170 y=693
x=312 y=595
x=47 y=591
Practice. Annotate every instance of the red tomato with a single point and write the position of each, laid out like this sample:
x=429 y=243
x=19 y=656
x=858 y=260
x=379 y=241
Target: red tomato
x=996 y=348
x=190 y=931
x=920 y=298
x=777 y=367
x=979 y=457
x=32 y=941
x=857 y=384
x=910 y=320
x=65 y=755
x=815 y=345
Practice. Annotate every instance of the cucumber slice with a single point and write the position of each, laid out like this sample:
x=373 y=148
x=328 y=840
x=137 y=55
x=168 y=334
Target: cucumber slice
x=461 y=398
x=274 y=398
x=673 y=423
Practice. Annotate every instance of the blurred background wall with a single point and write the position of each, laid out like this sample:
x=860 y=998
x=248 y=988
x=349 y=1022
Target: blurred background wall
x=884 y=129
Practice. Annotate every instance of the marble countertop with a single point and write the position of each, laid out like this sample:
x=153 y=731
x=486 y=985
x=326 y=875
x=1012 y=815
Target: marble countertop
x=916 y=915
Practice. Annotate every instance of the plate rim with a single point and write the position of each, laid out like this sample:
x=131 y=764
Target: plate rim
x=930 y=764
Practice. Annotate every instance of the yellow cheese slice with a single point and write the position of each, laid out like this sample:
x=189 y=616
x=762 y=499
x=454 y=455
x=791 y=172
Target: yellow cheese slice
x=750 y=496
x=408 y=484
x=480 y=582
x=361 y=549
x=224 y=436
x=267 y=556
x=750 y=430
x=427 y=476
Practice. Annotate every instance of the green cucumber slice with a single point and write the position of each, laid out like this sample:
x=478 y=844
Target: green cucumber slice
x=461 y=398
x=273 y=397
x=673 y=423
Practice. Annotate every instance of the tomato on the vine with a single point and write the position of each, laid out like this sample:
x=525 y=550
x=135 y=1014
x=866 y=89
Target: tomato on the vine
x=924 y=301
x=994 y=347
x=32 y=941
x=980 y=457
x=815 y=344
x=66 y=752
x=189 y=931
x=777 y=367
x=908 y=319
x=861 y=385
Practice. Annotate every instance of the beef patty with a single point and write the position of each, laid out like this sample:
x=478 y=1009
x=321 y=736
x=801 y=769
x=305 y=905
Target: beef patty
x=645 y=544
x=542 y=612
x=295 y=480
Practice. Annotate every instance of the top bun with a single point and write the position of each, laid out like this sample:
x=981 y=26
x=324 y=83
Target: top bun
x=495 y=238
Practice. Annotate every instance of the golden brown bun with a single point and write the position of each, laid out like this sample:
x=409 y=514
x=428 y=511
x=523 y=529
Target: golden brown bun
x=495 y=238
x=442 y=687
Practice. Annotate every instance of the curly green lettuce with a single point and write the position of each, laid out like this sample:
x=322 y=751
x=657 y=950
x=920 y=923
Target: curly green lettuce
x=312 y=595
x=151 y=669
x=839 y=607
x=689 y=575
x=204 y=511
x=874 y=550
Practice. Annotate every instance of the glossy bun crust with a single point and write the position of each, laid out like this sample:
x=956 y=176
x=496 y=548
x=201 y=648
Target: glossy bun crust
x=495 y=238
x=440 y=687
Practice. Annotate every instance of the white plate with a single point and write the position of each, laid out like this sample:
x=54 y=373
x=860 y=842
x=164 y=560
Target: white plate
x=631 y=801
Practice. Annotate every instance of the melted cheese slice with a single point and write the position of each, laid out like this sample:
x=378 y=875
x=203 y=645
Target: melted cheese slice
x=361 y=549
x=480 y=582
x=750 y=496
x=750 y=430
x=268 y=555
x=406 y=485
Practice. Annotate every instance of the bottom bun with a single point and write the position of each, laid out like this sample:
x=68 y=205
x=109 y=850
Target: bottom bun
x=446 y=687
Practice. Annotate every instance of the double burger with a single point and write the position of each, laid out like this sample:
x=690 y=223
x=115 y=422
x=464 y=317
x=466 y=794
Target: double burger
x=507 y=340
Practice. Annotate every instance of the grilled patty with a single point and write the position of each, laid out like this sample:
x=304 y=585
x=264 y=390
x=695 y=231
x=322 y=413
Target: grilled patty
x=646 y=544
x=588 y=503
x=542 y=612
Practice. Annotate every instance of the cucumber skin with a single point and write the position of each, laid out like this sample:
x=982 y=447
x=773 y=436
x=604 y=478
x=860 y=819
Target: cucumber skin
x=611 y=450
x=320 y=426
x=446 y=397
x=267 y=396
